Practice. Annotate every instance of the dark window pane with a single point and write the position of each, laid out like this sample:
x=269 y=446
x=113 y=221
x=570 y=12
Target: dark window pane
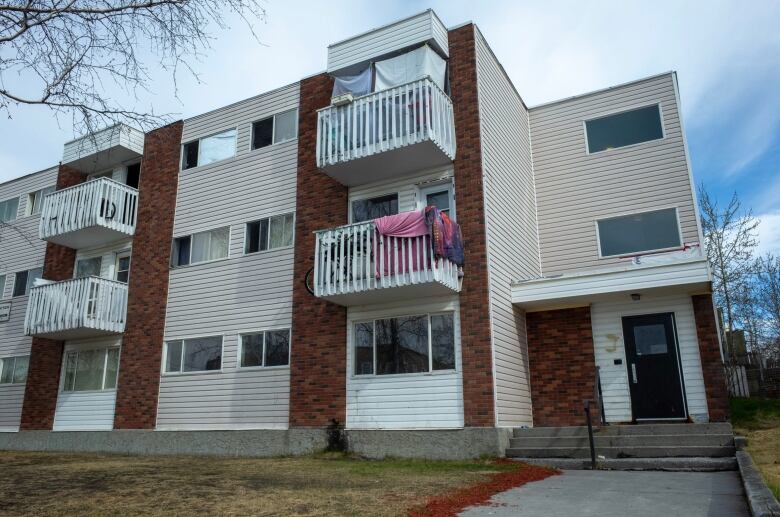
x=443 y=341
x=262 y=133
x=173 y=357
x=402 y=345
x=256 y=236
x=639 y=232
x=364 y=348
x=20 y=284
x=190 y=155
x=181 y=251
x=202 y=354
x=133 y=175
x=650 y=339
x=440 y=200
x=252 y=350
x=367 y=209
x=621 y=129
x=277 y=347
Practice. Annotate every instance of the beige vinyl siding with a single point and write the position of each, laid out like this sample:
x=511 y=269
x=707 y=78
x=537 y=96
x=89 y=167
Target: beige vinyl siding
x=118 y=135
x=510 y=213
x=405 y=401
x=20 y=249
x=606 y=319
x=574 y=189
x=242 y=293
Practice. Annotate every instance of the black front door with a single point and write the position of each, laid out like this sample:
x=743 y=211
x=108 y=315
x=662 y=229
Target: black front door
x=653 y=367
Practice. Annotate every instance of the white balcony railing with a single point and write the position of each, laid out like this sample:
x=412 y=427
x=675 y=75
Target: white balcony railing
x=381 y=121
x=105 y=205
x=356 y=258
x=77 y=308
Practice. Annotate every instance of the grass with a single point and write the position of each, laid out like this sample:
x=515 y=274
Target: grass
x=327 y=484
x=759 y=420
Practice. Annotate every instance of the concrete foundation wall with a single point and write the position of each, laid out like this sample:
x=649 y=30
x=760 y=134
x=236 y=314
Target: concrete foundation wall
x=450 y=444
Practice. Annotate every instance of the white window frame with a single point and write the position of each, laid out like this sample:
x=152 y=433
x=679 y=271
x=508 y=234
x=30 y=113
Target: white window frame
x=165 y=373
x=18 y=202
x=27 y=282
x=431 y=188
x=644 y=252
x=13 y=369
x=263 y=366
x=190 y=235
x=273 y=130
x=618 y=112
x=117 y=257
x=4 y=277
x=29 y=209
x=268 y=249
x=78 y=350
x=87 y=257
x=199 y=140
x=395 y=193
x=431 y=371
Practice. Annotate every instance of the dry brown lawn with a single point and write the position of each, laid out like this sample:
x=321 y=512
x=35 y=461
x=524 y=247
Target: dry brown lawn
x=759 y=420
x=67 y=484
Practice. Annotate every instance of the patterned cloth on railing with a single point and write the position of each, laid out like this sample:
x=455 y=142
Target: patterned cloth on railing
x=447 y=237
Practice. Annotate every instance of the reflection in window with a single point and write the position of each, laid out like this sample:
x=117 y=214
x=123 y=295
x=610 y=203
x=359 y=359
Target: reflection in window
x=368 y=209
x=193 y=355
x=635 y=233
x=650 y=339
x=209 y=149
x=269 y=348
x=626 y=128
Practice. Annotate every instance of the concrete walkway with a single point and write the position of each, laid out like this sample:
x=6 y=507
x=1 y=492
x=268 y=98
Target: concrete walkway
x=613 y=493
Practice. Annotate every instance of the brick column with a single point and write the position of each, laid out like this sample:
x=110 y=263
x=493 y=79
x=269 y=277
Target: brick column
x=711 y=361
x=476 y=351
x=562 y=365
x=139 y=367
x=319 y=340
x=43 y=375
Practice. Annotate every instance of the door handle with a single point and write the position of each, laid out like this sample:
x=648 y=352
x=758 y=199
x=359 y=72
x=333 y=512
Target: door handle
x=633 y=371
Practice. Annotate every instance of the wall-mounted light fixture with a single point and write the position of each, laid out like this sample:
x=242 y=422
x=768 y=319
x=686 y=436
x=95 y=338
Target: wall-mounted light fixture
x=635 y=297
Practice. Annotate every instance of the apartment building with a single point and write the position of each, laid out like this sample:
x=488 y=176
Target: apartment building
x=239 y=281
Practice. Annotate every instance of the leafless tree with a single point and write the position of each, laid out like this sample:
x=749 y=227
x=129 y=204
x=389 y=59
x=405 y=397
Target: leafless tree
x=767 y=286
x=63 y=54
x=730 y=235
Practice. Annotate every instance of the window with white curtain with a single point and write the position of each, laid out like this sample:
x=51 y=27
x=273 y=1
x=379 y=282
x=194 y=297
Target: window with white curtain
x=9 y=209
x=91 y=370
x=275 y=130
x=201 y=247
x=13 y=370
x=35 y=200
x=269 y=233
x=209 y=149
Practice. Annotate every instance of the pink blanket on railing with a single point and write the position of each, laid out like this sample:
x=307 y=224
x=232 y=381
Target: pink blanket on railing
x=406 y=226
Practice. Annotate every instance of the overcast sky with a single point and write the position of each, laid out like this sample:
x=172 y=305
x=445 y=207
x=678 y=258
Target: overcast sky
x=727 y=55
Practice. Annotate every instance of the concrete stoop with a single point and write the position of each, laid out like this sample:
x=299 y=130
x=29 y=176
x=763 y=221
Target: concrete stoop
x=679 y=447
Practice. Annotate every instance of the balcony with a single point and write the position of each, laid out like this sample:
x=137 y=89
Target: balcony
x=78 y=308
x=104 y=149
x=89 y=214
x=355 y=265
x=386 y=134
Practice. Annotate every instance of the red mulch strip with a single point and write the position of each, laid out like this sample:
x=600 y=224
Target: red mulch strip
x=449 y=505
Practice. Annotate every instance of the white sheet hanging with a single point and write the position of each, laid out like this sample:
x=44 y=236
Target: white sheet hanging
x=358 y=85
x=408 y=67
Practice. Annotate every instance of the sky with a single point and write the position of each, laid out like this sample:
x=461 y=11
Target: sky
x=726 y=54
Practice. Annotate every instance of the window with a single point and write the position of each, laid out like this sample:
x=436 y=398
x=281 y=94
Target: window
x=9 y=209
x=133 y=176
x=88 y=267
x=91 y=370
x=35 y=200
x=209 y=149
x=193 y=355
x=13 y=370
x=122 y=272
x=441 y=196
x=25 y=280
x=269 y=233
x=2 y=286
x=626 y=128
x=647 y=231
x=269 y=348
x=274 y=130
x=409 y=344
x=201 y=247
x=372 y=208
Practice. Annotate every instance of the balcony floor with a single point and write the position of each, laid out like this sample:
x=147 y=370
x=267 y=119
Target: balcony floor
x=88 y=237
x=77 y=333
x=391 y=294
x=388 y=164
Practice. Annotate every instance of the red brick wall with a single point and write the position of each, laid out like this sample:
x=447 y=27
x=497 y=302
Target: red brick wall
x=43 y=376
x=562 y=365
x=319 y=340
x=139 y=371
x=711 y=362
x=478 y=401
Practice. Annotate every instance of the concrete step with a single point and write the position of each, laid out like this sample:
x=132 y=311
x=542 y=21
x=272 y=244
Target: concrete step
x=693 y=464
x=625 y=430
x=601 y=440
x=622 y=452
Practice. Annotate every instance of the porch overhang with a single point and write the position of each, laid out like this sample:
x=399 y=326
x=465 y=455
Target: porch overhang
x=691 y=276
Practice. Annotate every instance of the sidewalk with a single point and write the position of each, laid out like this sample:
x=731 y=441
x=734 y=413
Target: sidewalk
x=613 y=493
